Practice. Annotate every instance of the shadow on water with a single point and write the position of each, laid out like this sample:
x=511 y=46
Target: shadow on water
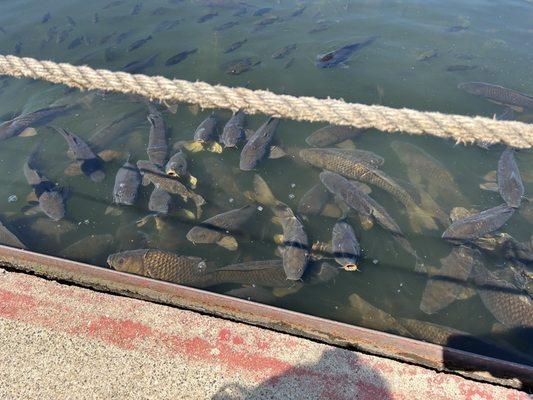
x=498 y=346
x=337 y=374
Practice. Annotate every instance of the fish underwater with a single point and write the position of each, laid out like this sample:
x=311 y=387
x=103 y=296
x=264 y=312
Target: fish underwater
x=332 y=134
x=233 y=132
x=258 y=145
x=23 y=124
x=339 y=56
x=346 y=248
x=157 y=141
x=127 y=182
x=510 y=183
x=499 y=94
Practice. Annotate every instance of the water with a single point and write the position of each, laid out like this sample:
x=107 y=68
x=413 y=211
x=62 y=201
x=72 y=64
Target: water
x=495 y=38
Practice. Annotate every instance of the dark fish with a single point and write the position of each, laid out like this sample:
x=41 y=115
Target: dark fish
x=107 y=38
x=320 y=27
x=503 y=299
x=460 y=68
x=157 y=141
x=240 y=12
x=46 y=17
x=90 y=163
x=207 y=130
x=127 y=182
x=233 y=131
x=295 y=247
x=257 y=147
x=18 y=126
x=123 y=36
x=71 y=21
x=138 y=43
x=228 y=191
x=160 y=201
x=268 y=20
x=456 y=28
x=449 y=282
x=153 y=174
x=422 y=166
x=96 y=19
x=105 y=136
x=63 y=35
x=335 y=57
x=135 y=67
x=226 y=26
x=346 y=248
x=114 y=3
x=359 y=201
x=372 y=317
x=179 y=57
x=237 y=67
x=75 y=43
x=162 y=11
x=220 y=228
x=8 y=238
x=206 y=17
x=49 y=196
x=194 y=271
x=332 y=134
x=167 y=25
x=342 y=161
x=136 y=9
x=355 y=164
x=498 y=94
x=262 y=11
x=299 y=11
x=18 y=48
x=91 y=249
x=289 y=63
x=284 y=51
x=177 y=164
x=479 y=224
x=234 y=46
x=314 y=200
x=509 y=180
x=430 y=332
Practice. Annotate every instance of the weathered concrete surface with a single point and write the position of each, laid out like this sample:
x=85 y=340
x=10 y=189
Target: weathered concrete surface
x=59 y=342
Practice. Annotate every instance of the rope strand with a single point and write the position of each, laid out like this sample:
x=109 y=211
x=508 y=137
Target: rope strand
x=460 y=128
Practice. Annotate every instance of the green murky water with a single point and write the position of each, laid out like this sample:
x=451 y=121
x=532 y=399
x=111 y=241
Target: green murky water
x=407 y=66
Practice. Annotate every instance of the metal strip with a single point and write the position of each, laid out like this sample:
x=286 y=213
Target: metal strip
x=374 y=342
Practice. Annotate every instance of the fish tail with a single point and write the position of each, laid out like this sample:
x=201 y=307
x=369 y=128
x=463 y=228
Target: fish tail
x=262 y=193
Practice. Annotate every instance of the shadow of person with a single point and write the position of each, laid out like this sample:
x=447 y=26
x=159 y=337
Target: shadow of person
x=338 y=374
x=505 y=361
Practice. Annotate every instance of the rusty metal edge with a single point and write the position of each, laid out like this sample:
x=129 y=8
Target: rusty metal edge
x=429 y=355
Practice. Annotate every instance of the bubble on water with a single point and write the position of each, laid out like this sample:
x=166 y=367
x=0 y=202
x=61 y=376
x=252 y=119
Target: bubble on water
x=231 y=200
x=259 y=208
x=291 y=196
x=293 y=185
x=13 y=198
x=374 y=261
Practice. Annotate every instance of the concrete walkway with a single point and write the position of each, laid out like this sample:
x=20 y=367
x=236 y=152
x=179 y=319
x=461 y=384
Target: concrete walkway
x=64 y=342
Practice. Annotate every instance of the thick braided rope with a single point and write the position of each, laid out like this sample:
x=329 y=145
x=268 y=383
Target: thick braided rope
x=460 y=128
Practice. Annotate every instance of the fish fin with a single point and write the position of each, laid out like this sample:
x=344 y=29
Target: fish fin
x=30 y=209
x=110 y=155
x=74 y=169
x=348 y=144
x=366 y=221
x=172 y=107
x=229 y=243
x=28 y=132
x=276 y=152
x=276 y=220
x=262 y=193
x=192 y=181
x=491 y=176
x=31 y=197
x=489 y=186
x=363 y=187
x=278 y=239
x=186 y=214
x=215 y=147
x=113 y=210
x=283 y=292
x=331 y=210
x=144 y=220
x=193 y=146
x=421 y=268
x=466 y=293
x=179 y=145
x=194 y=109
x=414 y=177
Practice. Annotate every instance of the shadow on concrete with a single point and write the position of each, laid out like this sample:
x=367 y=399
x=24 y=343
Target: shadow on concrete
x=338 y=374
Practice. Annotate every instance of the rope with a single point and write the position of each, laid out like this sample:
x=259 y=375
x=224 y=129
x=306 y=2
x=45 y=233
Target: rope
x=462 y=129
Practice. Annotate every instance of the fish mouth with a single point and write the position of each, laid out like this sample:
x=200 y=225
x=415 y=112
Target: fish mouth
x=350 y=267
x=172 y=173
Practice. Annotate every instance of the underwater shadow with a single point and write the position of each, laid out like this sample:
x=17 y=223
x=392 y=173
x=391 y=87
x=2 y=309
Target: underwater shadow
x=337 y=374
